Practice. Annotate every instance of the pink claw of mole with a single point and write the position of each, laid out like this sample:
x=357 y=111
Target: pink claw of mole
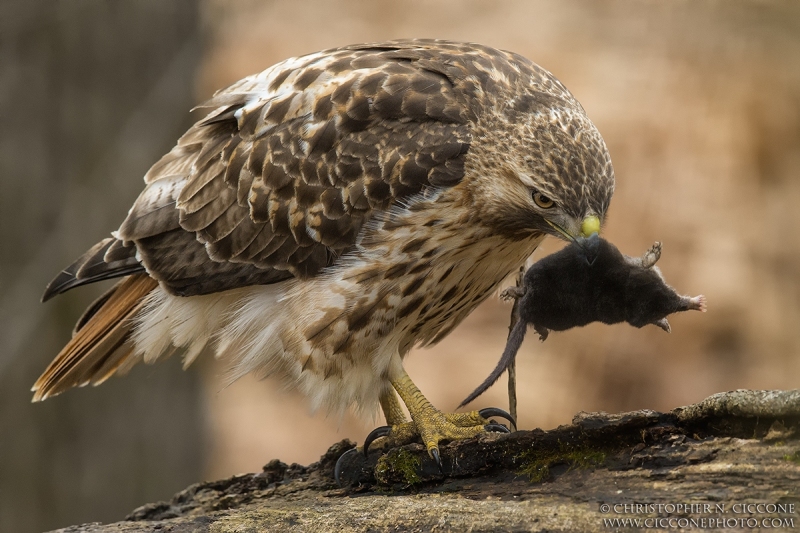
x=699 y=303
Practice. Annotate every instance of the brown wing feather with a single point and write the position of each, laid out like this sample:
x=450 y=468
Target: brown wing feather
x=85 y=359
x=107 y=259
x=292 y=162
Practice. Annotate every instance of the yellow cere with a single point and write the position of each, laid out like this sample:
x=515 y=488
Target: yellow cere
x=590 y=225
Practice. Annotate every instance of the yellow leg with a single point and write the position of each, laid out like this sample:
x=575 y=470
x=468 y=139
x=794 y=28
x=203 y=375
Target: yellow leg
x=428 y=422
x=392 y=409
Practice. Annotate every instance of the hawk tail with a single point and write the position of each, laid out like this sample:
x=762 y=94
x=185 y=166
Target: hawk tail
x=97 y=348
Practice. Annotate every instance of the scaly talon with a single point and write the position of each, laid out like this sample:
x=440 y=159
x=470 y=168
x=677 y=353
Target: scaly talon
x=376 y=433
x=465 y=420
x=489 y=412
x=434 y=452
x=428 y=423
x=337 y=471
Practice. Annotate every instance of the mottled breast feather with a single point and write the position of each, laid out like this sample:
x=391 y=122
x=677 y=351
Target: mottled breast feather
x=278 y=180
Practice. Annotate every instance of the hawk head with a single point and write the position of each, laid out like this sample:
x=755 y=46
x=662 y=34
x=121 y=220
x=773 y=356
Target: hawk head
x=552 y=175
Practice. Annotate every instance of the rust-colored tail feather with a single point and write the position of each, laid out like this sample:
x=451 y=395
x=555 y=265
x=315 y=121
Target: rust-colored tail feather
x=98 y=347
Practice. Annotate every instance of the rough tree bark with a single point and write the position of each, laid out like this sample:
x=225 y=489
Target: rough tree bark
x=729 y=450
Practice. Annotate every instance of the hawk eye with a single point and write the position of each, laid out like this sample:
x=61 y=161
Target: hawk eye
x=543 y=201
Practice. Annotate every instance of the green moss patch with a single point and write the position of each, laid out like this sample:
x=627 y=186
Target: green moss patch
x=398 y=463
x=536 y=464
x=793 y=457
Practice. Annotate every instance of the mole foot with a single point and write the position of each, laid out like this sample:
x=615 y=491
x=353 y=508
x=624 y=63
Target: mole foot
x=663 y=324
x=652 y=255
x=512 y=293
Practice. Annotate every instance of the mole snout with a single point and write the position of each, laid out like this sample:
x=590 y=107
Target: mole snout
x=590 y=280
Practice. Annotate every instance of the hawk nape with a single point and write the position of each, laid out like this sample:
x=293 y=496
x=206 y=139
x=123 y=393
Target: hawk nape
x=336 y=210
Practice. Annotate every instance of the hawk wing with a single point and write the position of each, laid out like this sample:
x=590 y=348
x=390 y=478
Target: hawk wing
x=278 y=180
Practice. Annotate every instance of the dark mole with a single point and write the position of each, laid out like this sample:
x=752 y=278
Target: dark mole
x=590 y=280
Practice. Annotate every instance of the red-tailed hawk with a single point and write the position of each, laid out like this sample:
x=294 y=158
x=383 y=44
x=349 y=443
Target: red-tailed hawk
x=336 y=210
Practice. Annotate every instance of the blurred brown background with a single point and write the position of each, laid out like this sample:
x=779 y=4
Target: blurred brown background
x=699 y=103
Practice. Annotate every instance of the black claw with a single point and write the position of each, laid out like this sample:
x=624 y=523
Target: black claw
x=497 y=428
x=339 y=464
x=375 y=434
x=494 y=411
x=437 y=458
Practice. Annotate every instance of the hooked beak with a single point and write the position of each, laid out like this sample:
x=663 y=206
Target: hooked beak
x=588 y=239
x=589 y=226
x=564 y=233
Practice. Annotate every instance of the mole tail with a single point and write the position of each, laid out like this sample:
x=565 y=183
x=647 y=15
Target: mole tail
x=509 y=354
